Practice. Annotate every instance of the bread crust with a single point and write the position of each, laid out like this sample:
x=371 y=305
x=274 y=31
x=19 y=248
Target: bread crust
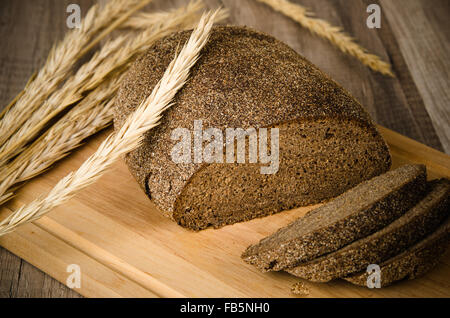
x=414 y=262
x=359 y=212
x=418 y=222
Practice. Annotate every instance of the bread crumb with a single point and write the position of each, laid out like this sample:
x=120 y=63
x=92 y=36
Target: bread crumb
x=300 y=289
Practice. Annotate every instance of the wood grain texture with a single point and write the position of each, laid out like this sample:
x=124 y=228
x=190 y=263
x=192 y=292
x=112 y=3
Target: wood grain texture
x=424 y=39
x=414 y=37
x=21 y=279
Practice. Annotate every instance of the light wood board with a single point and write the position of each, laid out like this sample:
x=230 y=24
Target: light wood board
x=126 y=248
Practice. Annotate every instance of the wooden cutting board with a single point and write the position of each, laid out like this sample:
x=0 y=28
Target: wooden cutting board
x=126 y=248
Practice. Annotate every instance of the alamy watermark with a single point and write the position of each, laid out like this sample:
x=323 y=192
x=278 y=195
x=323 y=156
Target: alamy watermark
x=208 y=146
x=374 y=19
x=74 y=279
x=374 y=277
x=74 y=19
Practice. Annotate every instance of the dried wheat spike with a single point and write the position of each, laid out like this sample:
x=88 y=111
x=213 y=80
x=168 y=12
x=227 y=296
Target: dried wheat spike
x=334 y=34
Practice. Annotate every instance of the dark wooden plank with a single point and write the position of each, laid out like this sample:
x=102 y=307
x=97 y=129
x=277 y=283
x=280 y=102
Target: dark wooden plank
x=10 y=268
x=414 y=101
x=422 y=31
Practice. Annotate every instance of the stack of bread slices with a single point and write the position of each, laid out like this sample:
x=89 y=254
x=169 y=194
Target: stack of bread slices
x=397 y=221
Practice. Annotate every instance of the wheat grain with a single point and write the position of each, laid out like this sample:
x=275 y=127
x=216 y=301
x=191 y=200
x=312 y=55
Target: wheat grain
x=122 y=18
x=140 y=20
x=61 y=59
x=15 y=99
x=92 y=114
x=334 y=34
x=71 y=92
x=111 y=57
x=127 y=138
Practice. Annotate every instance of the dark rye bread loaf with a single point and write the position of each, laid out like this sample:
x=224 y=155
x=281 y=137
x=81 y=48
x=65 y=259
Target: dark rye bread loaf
x=357 y=213
x=327 y=142
x=413 y=226
x=412 y=263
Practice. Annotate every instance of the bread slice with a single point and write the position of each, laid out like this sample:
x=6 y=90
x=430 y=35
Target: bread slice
x=412 y=263
x=415 y=224
x=246 y=79
x=357 y=213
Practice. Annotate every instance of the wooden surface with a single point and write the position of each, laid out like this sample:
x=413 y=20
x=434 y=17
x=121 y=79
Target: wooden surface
x=414 y=36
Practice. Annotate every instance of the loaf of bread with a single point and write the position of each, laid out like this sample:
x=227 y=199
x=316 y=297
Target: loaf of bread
x=357 y=213
x=246 y=79
x=404 y=232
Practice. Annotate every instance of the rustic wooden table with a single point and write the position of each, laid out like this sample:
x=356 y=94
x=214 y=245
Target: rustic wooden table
x=414 y=35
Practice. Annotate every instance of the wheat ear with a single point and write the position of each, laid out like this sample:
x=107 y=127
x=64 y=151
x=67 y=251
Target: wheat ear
x=111 y=57
x=92 y=114
x=61 y=59
x=127 y=138
x=334 y=34
x=140 y=19
x=15 y=99
x=71 y=92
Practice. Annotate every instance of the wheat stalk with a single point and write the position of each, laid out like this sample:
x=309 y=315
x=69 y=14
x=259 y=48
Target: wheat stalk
x=15 y=99
x=71 y=92
x=334 y=34
x=127 y=138
x=140 y=19
x=92 y=114
x=94 y=27
x=111 y=57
